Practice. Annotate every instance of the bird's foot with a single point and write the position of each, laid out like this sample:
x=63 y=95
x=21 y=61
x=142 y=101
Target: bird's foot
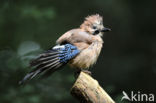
x=87 y=72
x=76 y=73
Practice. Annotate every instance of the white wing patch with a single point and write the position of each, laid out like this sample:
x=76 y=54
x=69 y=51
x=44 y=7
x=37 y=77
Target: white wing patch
x=58 y=46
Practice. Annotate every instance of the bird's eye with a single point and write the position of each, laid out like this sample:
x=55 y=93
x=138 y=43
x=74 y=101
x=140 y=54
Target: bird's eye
x=94 y=27
x=96 y=32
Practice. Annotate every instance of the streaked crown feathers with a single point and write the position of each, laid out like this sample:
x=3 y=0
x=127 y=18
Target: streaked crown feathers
x=89 y=20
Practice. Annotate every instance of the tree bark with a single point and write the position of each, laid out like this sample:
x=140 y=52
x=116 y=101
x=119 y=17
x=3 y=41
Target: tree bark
x=87 y=90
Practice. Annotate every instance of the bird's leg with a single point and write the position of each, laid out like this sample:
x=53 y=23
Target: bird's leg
x=77 y=72
x=86 y=71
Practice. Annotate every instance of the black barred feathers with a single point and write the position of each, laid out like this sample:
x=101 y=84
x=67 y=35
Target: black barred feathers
x=51 y=60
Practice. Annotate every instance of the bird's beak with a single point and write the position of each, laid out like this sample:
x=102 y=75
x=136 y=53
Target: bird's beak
x=105 y=30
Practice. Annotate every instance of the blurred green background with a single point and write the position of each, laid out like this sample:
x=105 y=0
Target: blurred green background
x=28 y=27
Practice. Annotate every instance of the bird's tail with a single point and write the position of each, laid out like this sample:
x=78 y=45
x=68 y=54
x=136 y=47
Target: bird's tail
x=51 y=60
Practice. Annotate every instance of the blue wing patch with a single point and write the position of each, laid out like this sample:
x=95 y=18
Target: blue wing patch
x=51 y=60
x=67 y=52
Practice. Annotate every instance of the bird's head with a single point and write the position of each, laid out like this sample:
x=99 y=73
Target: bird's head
x=94 y=25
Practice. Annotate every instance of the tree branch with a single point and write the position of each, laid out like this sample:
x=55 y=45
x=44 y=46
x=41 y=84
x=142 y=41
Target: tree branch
x=87 y=90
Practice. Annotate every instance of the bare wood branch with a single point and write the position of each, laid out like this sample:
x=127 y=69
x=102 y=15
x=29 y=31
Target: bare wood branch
x=87 y=90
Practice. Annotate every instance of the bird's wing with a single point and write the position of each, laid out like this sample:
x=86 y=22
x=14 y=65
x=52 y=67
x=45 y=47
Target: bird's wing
x=75 y=36
x=52 y=60
x=81 y=45
x=71 y=44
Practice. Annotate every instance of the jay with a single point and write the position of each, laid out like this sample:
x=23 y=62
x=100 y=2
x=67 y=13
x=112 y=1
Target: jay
x=78 y=47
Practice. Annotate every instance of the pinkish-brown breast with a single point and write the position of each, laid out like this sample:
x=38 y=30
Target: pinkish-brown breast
x=87 y=56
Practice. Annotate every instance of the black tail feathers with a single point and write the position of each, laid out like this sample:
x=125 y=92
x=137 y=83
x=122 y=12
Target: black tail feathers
x=46 y=62
x=51 y=60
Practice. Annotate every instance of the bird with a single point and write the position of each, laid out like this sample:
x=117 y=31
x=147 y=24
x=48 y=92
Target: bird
x=79 y=48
